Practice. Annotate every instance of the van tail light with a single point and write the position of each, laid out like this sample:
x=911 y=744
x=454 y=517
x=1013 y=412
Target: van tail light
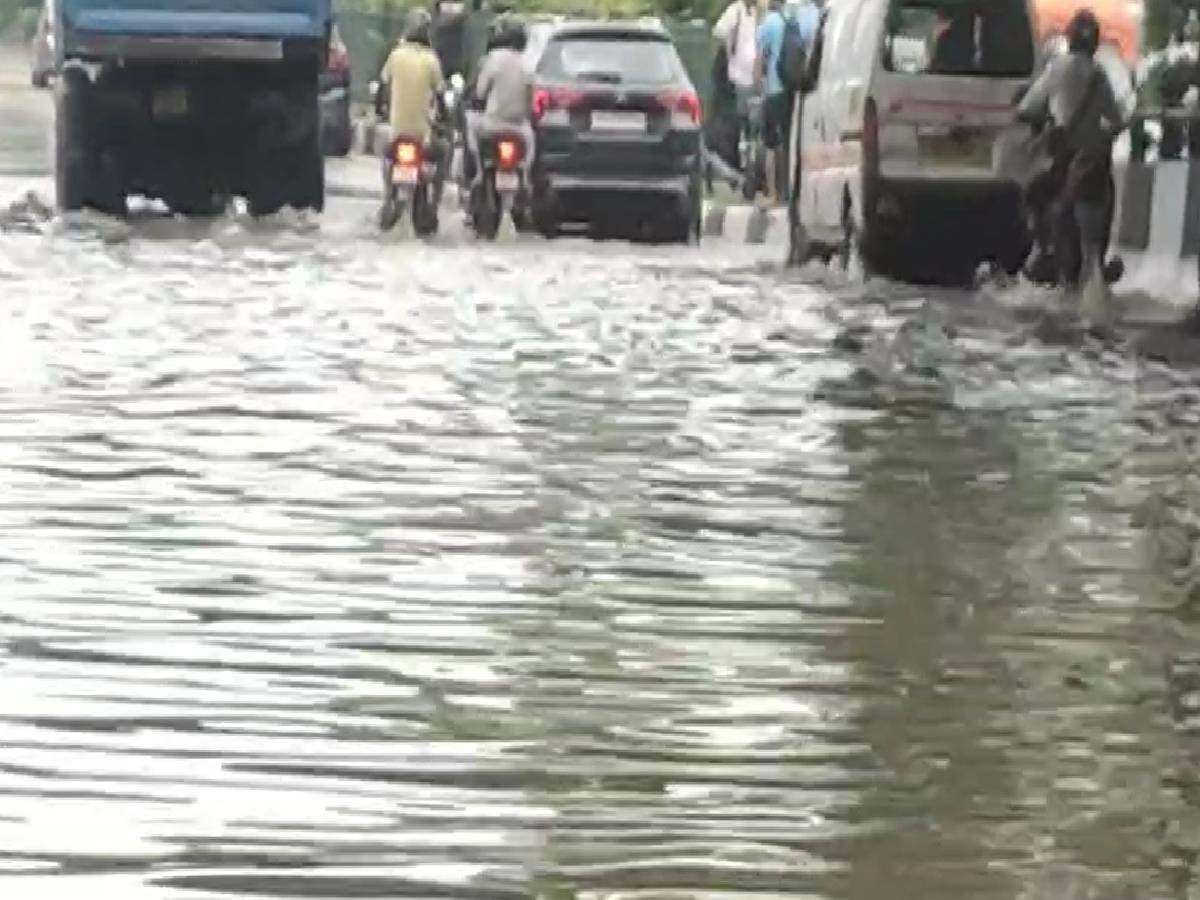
x=406 y=153
x=684 y=104
x=508 y=153
x=547 y=99
x=870 y=139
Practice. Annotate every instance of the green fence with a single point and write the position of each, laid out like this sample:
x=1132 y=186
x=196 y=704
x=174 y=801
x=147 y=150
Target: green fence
x=370 y=36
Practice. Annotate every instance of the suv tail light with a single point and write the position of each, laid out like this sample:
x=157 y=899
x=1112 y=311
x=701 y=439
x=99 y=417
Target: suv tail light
x=682 y=104
x=546 y=100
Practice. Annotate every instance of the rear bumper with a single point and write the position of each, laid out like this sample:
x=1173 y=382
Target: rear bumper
x=563 y=183
x=173 y=49
x=918 y=195
x=966 y=219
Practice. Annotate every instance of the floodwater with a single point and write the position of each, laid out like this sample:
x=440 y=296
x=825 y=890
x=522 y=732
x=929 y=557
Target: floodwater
x=342 y=567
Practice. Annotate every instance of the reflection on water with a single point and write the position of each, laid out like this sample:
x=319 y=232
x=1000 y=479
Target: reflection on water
x=350 y=570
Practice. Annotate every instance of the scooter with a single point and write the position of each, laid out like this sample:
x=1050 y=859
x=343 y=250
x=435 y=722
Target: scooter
x=501 y=187
x=410 y=187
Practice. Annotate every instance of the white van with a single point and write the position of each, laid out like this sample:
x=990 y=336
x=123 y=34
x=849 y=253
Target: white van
x=908 y=151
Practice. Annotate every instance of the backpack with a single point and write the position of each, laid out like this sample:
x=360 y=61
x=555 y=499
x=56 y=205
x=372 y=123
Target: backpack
x=792 y=65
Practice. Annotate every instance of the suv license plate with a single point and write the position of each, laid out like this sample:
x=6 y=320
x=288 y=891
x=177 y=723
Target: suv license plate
x=619 y=121
x=507 y=181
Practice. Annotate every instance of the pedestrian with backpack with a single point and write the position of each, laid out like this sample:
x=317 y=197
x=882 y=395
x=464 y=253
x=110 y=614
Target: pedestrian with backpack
x=773 y=36
x=802 y=20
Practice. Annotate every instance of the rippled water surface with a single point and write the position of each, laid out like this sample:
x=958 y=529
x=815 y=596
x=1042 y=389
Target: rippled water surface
x=344 y=568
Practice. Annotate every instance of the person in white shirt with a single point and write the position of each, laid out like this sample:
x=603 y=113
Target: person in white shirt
x=737 y=29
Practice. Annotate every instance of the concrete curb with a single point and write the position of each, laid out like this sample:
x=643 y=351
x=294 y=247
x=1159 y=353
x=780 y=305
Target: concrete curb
x=749 y=225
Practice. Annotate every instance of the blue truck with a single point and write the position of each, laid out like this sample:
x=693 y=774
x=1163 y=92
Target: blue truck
x=191 y=102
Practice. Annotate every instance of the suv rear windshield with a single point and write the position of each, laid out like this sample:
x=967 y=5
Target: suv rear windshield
x=611 y=59
x=989 y=38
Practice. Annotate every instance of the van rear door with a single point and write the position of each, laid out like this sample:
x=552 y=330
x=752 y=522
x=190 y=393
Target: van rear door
x=947 y=86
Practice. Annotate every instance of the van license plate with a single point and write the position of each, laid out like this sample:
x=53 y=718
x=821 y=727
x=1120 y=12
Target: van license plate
x=619 y=121
x=507 y=181
x=957 y=151
x=172 y=101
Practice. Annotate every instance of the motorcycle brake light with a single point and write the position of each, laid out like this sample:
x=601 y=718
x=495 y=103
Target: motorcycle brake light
x=509 y=153
x=407 y=154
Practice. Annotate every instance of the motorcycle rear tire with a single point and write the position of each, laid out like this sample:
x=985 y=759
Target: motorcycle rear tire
x=487 y=211
x=424 y=212
x=389 y=212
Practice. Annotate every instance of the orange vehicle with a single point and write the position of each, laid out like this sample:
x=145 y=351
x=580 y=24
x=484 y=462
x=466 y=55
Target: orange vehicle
x=1120 y=22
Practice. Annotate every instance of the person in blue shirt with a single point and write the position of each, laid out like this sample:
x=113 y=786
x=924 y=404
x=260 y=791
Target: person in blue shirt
x=777 y=101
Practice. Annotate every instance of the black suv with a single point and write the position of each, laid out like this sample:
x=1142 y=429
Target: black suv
x=618 y=127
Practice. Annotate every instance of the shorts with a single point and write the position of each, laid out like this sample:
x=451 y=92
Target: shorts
x=776 y=120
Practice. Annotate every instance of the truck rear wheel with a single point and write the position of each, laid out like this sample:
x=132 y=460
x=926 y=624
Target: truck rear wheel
x=70 y=140
x=310 y=178
x=293 y=174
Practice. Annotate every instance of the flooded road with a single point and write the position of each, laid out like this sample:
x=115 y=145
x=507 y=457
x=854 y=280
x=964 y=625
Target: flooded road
x=342 y=567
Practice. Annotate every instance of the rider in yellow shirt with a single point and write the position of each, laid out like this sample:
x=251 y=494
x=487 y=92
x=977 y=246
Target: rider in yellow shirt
x=412 y=75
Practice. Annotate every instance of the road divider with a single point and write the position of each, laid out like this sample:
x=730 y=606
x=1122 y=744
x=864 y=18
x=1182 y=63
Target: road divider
x=1156 y=228
x=750 y=225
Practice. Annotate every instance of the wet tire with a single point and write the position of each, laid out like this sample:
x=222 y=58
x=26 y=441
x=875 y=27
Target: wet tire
x=521 y=219
x=293 y=173
x=858 y=244
x=389 y=212
x=486 y=216
x=312 y=192
x=71 y=140
x=546 y=221
x=338 y=139
x=424 y=213
x=340 y=143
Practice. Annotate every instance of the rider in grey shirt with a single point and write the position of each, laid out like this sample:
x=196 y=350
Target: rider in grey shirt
x=504 y=89
x=1060 y=90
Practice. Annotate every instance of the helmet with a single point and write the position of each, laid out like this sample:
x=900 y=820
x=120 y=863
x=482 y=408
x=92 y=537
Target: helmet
x=1083 y=32
x=507 y=31
x=518 y=37
x=417 y=26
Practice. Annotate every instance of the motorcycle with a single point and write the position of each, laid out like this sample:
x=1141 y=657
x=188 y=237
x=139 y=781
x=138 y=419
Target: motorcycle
x=410 y=186
x=1070 y=228
x=501 y=187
